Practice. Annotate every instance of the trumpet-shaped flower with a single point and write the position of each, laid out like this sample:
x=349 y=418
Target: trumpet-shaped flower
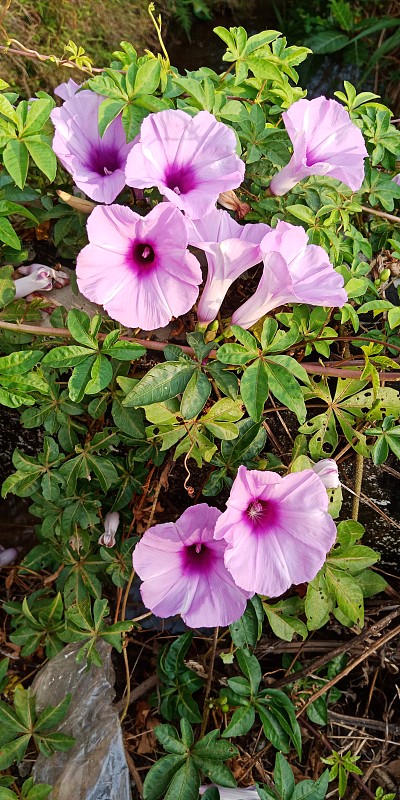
x=327 y=471
x=294 y=272
x=67 y=89
x=278 y=530
x=96 y=163
x=138 y=268
x=183 y=571
x=189 y=159
x=230 y=249
x=325 y=142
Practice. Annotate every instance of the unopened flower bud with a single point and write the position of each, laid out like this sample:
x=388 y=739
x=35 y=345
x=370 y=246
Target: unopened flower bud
x=328 y=472
x=111 y=522
x=7 y=555
x=231 y=201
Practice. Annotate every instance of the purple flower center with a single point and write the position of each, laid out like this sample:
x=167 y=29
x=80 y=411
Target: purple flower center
x=143 y=254
x=197 y=558
x=261 y=514
x=104 y=160
x=180 y=179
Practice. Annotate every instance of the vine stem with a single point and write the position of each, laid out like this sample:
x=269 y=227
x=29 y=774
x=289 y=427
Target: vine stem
x=383 y=214
x=206 y=708
x=357 y=486
x=312 y=368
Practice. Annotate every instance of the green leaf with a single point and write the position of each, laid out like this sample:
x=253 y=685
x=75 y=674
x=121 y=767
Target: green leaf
x=195 y=395
x=38 y=114
x=125 y=351
x=8 y=235
x=78 y=324
x=79 y=378
x=162 y=382
x=185 y=784
x=168 y=736
x=108 y=111
x=235 y=354
x=44 y=157
x=318 y=603
x=52 y=715
x=246 y=631
x=348 y=594
x=13 y=751
x=147 y=77
x=282 y=374
x=8 y=110
x=7 y=285
x=160 y=775
x=353 y=559
x=264 y=69
x=101 y=375
x=327 y=42
x=254 y=388
x=68 y=356
x=283 y=777
x=242 y=721
x=16 y=159
x=250 y=667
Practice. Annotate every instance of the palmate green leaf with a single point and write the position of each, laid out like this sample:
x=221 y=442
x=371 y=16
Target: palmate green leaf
x=128 y=420
x=52 y=715
x=132 y=118
x=160 y=776
x=162 y=382
x=254 y=388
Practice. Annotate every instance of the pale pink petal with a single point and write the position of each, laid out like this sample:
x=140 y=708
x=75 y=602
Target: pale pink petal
x=189 y=159
x=325 y=142
x=96 y=163
x=277 y=530
x=327 y=471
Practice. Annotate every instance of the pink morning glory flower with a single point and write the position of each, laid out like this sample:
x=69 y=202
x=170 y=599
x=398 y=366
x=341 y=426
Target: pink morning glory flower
x=138 y=268
x=397 y=179
x=294 y=272
x=189 y=159
x=230 y=249
x=325 y=142
x=67 y=89
x=327 y=471
x=278 y=530
x=96 y=163
x=183 y=571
